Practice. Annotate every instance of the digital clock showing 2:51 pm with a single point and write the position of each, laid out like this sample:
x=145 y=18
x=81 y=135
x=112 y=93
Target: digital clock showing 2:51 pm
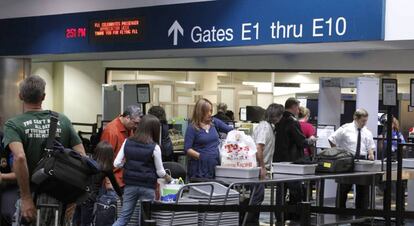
x=116 y=30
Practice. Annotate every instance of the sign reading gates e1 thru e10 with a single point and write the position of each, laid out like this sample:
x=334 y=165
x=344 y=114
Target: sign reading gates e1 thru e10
x=196 y=25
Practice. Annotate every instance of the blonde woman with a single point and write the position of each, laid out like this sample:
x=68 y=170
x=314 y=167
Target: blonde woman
x=202 y=140
x=307 y=128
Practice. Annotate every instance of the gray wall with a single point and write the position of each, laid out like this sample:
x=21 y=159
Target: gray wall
x=11 y=71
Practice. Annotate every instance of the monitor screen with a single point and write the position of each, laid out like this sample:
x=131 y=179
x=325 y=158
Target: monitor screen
x=254 y=113
x=243 y=116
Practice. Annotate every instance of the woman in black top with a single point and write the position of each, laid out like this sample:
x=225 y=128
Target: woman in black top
x=104 y=156
x=166 y=143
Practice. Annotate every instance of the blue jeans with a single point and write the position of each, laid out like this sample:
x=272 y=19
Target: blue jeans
x=9 y=196
x=131 y=196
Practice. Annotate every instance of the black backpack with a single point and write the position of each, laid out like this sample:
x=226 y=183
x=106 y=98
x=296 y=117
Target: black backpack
x=335 y=160
x=63 y=173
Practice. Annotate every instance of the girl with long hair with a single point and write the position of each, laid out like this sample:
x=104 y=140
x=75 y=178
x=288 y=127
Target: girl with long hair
x=140 y=156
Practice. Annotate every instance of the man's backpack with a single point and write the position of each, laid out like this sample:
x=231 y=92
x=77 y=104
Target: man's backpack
x=335 y=160
x=63 y=173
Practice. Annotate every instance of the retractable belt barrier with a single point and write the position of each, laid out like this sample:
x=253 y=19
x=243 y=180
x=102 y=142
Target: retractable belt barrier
x=304 y=208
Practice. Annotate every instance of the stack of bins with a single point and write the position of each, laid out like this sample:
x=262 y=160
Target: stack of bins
x=182 y=218
x=202 y=194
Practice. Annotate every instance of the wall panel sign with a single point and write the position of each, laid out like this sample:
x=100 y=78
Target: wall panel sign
x=196 y=25
x=389 y=92
x=143 y=93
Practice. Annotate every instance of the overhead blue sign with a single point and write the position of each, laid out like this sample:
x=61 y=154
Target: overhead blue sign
x=223 y=23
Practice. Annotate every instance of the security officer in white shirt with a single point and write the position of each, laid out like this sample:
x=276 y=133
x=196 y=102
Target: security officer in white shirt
x=357 y=139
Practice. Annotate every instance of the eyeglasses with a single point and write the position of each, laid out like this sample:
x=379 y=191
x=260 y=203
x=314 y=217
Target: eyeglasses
x=135 y=121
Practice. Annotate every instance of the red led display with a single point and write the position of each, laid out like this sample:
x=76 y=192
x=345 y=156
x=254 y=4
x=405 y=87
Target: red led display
x=72 y=33
x=116 y=30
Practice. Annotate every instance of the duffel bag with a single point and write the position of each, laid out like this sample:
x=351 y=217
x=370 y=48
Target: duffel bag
x=335 y=160
x=63 y=173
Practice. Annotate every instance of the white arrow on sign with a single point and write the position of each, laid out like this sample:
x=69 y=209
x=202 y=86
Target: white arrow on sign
x=175 y=27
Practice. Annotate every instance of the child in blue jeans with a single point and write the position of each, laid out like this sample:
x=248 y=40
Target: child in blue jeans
x=140 y=156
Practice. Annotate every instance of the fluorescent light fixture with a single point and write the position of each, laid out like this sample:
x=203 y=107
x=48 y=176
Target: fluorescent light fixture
x=368 y=73
x=305 y=73
x=222 y=74
x=186 y=82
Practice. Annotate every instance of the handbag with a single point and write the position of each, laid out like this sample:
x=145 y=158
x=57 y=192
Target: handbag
x=335 y=160
x=63 y=173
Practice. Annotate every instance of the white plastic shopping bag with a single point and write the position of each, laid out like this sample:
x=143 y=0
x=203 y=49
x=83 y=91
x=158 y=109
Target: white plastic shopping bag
x=167 y=192
x=238 y=150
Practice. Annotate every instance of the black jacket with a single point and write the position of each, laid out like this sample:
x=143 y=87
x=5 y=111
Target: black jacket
x=290 y=141
x=167 y=148
x=222 y=116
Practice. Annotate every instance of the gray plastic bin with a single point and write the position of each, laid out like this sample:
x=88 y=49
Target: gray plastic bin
x=183 y=218
x=232 y=172
x=289 y=168
x=371 y=166
x=202 y=194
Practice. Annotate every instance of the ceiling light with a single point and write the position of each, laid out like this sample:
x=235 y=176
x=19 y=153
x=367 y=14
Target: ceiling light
x=222 y=74
x=186 y=82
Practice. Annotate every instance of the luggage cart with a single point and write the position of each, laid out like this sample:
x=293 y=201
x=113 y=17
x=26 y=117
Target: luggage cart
x=220 y=196
x=188 y=186
x=228 y=191
x=207 y=193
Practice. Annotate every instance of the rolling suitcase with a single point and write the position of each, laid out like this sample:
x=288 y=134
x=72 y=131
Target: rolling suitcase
x=49 y=213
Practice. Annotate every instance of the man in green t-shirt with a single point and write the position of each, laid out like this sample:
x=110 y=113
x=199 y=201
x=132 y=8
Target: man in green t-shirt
x=25 y=136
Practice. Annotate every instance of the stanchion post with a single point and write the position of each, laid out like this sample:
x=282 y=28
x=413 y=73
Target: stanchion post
x=305 y=217
x=146 y=213
x=400 y=192
x=387 y=193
